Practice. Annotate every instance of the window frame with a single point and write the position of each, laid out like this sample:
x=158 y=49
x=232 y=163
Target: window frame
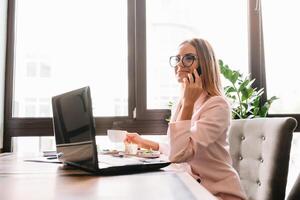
x=16 y=126
x=139 y=119
x=257 y=56
x=141 y=51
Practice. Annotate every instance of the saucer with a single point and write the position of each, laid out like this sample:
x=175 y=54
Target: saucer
x=148 y=154
x=108 y=151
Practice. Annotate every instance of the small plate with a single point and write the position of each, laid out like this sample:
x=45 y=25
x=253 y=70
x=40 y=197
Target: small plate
x=148 y=154
x=108 y=151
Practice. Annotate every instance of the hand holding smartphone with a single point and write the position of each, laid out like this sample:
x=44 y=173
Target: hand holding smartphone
x=199 y=71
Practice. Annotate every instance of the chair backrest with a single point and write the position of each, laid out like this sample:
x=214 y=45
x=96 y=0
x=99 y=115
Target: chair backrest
x=260 y=150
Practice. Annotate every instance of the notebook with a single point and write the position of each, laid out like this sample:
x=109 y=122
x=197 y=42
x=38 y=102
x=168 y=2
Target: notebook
x=74 y=130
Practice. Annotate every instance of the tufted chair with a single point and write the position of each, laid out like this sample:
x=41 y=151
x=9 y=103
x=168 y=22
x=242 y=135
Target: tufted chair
x=260 y=150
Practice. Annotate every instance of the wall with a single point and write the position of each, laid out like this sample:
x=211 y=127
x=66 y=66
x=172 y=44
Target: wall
x=3 y=17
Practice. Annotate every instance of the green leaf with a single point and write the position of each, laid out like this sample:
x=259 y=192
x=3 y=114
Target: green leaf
x=243 y=85
x=256 y=102
x=245 y=94
x=250 y=93
x=273 y=98
x=245 y=105
x=244 y=98
x=234 y=77
x=251 y=82
x=230 y=89
x=255 y=111
x=236 y=115
x=264 y=110
x=220 y=62
x=226 y=73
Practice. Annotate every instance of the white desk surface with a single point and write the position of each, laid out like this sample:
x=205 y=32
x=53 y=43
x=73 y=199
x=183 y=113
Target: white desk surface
x=47 y=181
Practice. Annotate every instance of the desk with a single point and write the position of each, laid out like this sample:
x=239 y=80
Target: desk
x=31 y=180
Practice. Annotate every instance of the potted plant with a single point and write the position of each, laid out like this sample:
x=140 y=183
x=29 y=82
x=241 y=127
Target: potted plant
x=245 y=100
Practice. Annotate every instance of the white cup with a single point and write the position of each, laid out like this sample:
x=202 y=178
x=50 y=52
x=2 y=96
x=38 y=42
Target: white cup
x=131 y=149
x=116 y=136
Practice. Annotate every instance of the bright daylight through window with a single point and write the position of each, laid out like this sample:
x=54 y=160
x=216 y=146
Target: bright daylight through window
x=170 y=22
x=281 y=43
x=66 y=45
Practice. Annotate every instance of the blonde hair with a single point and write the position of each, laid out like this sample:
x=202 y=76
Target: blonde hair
x=211 y=81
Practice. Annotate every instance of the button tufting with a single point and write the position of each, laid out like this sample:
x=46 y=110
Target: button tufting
x=242 y=137
x=240 y=158
x=261 y=160
x=263 y=137
x=258 y=183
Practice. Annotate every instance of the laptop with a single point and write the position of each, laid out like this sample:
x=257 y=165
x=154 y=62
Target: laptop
x=74 y=130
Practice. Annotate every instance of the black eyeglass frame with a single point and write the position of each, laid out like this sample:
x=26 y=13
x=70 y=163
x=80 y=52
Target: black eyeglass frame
x=180 y=59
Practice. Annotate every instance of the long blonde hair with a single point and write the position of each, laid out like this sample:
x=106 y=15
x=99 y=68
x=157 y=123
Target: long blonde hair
x=211 y=81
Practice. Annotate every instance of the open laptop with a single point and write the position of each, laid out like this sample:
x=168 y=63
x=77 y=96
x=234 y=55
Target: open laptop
x=74 y=129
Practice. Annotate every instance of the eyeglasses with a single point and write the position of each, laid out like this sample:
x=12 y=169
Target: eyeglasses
x=187 y=60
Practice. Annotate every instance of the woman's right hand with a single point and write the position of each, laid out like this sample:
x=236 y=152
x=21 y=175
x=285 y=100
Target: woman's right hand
x=141 y=142
x=191 y=88
x=134 y=138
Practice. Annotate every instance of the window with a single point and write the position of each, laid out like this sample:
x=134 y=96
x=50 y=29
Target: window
x=170 y=22
x=65 y=45
x=31 y=69
x=45 y=70
x=281 y=43
x=76 y=46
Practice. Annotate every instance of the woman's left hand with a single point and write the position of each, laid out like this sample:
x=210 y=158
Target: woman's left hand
x=191 y=89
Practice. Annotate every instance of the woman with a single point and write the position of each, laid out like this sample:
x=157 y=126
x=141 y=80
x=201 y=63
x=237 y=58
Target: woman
x=198 y=128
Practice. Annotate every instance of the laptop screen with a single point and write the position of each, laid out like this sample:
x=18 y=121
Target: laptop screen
x=74 y=128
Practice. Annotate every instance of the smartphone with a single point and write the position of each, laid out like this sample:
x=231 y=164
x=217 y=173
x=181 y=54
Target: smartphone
x=199 y=72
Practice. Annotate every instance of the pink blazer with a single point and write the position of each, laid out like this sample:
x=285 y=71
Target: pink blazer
x=202 y=143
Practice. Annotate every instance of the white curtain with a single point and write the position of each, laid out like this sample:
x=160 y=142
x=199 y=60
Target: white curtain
x=3 y=20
